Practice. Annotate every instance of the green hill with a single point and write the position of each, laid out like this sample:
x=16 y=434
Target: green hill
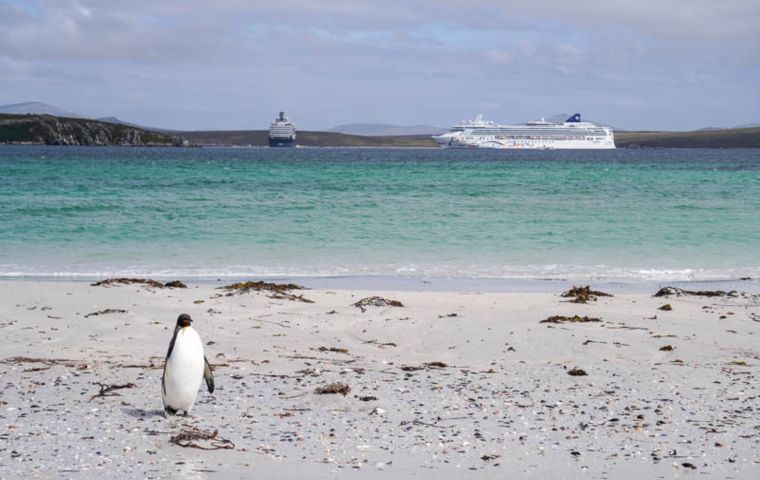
x=50 y=130
x=724 y=138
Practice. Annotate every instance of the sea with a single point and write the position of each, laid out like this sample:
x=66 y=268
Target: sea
x=402 y=214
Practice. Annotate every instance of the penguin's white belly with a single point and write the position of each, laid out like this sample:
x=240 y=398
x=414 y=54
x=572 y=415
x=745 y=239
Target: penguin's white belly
x=184 y=371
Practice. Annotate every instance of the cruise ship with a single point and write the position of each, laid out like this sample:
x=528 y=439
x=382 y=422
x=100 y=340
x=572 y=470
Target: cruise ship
x=540 y=134
x=282 y=133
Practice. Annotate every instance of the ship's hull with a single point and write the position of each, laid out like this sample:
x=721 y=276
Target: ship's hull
x=282 y=142
x=554 y=145
x=465 y=141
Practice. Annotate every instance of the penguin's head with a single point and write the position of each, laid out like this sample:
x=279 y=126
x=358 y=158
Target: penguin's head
x=184 y=320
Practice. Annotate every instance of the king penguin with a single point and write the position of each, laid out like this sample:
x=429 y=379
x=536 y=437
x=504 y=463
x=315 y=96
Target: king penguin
x=184 y=368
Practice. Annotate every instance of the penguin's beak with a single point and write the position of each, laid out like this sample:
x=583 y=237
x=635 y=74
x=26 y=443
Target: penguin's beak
x=186 y=322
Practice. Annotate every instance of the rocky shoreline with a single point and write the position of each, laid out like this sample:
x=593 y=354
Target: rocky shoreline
x=51 y=130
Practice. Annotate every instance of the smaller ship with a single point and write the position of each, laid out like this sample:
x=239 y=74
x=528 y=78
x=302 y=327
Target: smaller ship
x=282 y=132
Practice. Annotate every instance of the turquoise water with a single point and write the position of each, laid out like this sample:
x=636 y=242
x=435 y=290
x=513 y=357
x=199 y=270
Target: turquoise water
x=662 y=214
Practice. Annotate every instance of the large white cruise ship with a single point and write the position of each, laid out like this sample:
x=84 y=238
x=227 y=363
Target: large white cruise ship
x=540 y=134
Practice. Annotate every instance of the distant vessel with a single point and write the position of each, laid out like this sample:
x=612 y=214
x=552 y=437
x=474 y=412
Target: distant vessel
x=539 y=134
x=282 y=133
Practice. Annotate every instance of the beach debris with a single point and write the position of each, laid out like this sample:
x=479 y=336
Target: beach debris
x=689 y=465
x=190 y=437
x=290 y=296
x=247 y=287
x=46 y=361
x=436 y=365
x=428 y=365
x=105 y=312
x=584 y=294
x=573 y=319
x=375 y=342
x=333 y=388
x=376 y=302
x=666 y=308
x=738 y=363
x=377 y=411
x=448 y=315
x=666 y=348
x=490 y=456
x=333 y=349
x=667 y=291
x=144 y=281
x=577 y=372
x=278 y=291
x=109 y=390
x=367 y=398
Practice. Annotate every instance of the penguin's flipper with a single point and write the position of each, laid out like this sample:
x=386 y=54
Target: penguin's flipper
x=208 y=376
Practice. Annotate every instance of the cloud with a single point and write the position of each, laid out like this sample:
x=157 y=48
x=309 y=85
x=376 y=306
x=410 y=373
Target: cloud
x=419 y=61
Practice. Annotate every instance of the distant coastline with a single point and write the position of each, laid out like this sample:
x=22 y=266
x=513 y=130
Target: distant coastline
x=52 y=130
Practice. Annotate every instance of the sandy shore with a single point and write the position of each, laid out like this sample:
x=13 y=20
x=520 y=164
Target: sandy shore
x=501 y=403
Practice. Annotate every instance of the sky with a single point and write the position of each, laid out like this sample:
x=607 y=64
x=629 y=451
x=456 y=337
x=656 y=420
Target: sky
x=233 y=64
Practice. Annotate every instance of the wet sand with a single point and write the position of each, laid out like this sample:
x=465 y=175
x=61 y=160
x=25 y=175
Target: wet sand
x=464 y=384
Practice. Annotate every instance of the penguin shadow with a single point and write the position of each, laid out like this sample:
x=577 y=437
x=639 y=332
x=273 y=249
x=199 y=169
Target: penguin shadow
x=142 y=413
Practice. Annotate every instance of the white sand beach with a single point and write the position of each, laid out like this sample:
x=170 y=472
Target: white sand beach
x=464 y=385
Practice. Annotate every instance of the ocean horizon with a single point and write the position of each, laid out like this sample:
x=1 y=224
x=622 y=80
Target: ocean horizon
x=621 y=215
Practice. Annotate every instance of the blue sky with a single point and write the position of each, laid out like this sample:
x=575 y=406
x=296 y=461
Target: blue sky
x=232 y=64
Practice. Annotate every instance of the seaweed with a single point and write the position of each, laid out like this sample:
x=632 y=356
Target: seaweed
x=105 y=312
x=573 y=319
x=668 y=291
x=246 y=287
x=333 y=349
x=108 y=390
x=489 y=457
x=290 y=296
x=188 y=438
x=143 y=281
x=427 y=365
x=332 y=388
x=577 y=372
x=584 y=294
x=376 y=302
x=279 y=291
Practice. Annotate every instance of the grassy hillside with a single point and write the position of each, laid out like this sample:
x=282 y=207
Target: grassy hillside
x=728 y=138
x=50 y=130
